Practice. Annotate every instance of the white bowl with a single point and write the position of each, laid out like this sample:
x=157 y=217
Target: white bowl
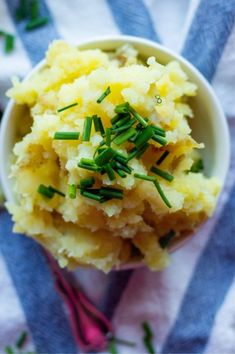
x=208 y=126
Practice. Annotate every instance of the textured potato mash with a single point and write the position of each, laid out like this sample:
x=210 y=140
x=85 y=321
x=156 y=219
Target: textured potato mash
x=82 y=231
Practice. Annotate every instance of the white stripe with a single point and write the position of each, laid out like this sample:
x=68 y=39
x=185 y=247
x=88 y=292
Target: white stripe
x=12 y=320
x=80 y=19
x=224 y=79
x=222 y=338
x=15 y=63
x=168 y=17
x=188 y=20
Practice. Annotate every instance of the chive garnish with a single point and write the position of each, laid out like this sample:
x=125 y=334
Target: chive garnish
x=38 y=22
x=112 y=347
x=45 y=191
x=115 y=119
x=159 y=139
x=92 y=194
x=72 y=191
x=108 y=136
x=87 y=161
x=121 y=159
x=87 y=129
x=87 y=182
x=66 y=135
x=34 y=9
x=109 y=170
x=121 y=173
x=144 y=137
x=9 y=42
x=104 y=94
x=124 y=126
x=159 y=131
x=148 y=336
x=145 y=177
x=138 y=116
x=123 y=342
x=22 y=10
x=98 y=124
x=162 y=157
x=67 y=107
x=197 y=166
x=54 y=190
x=122 y=108
x=104 y=157
x=123 y=137
x=114 y=193
x=160 y=191
x=118 y=165
x=9 y=350
x=122 y=121
x=166 y=239
x=21 y=340
x=141 y=151
x=162 y=173
x=88 y=167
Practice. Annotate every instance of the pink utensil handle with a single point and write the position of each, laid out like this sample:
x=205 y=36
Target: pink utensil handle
x=89 y=325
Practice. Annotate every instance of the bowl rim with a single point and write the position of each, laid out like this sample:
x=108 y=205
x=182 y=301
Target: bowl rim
x=96 y=41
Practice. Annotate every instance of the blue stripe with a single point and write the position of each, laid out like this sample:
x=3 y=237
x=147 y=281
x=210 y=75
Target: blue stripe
x=208 y=34
x=117 y=283
x=36 y=41
x=35 y=286
x=212 y=278
x=133 y=18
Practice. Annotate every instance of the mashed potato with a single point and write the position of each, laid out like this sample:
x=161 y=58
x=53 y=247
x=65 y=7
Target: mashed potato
x=83 y=231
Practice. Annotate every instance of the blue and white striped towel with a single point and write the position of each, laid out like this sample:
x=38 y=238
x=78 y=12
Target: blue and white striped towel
x=191 y=304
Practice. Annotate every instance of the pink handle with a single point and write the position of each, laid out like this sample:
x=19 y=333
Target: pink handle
x=90 y=326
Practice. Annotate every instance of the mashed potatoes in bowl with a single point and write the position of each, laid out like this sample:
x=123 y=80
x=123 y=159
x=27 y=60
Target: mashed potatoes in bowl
x=108 y=172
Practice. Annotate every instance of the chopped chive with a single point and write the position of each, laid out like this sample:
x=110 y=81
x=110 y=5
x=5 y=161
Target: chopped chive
x=87 y=182
x=138 y=116
x=117 y=117
x=9 y=42
x=104 y=157
x=123 y=137
x=111 y=192
x=66 y=135
x=122 y=121
x=38 y=22
x=110 y=172
x=21 y=340
x=123 y=341
x=117 y=165
x=159 y=131
x=124 y=126
x=122 y=108
x=145 y=177
x=88 y=167
x=87 y=129
x=121 y=173
x=108 y=136
x=104 y=94
x=54 y=190
x=159 y=139
x=166 y=239
x=162 y=173
x=22 y=10
x=160 y=191
x=34 y=9
x=98 y=125
x=45 y=191
x=148 y=336
x=9 y=350
x=159 y=99
x=144 y=137
x=112 y=347
x=121 y=159
x=197 y=166
x=87 y=161
x=67 y=107
x=141 y=151
x=91 y=194
x=134 y=137
x=162 y=157
x=72 y=191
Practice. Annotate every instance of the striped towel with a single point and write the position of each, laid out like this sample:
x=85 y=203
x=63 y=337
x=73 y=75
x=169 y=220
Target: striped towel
x=190 y=305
